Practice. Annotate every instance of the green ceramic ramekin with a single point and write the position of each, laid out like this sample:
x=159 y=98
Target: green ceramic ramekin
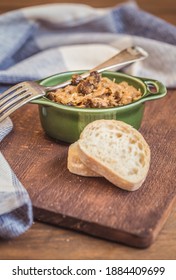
x=65 y=123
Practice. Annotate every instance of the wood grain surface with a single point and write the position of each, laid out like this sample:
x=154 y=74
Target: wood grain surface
x=43 y=241
x=93 y=205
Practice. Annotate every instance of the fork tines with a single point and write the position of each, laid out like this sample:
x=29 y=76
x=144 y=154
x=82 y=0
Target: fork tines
x=13 y=98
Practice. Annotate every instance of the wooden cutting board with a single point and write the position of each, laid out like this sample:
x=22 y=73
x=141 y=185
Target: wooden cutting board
x=93 y=205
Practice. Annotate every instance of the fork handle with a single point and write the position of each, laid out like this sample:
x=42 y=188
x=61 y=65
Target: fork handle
x=121 y=59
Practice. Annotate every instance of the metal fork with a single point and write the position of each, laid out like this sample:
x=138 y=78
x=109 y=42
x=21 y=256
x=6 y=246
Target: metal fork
x=22 y=93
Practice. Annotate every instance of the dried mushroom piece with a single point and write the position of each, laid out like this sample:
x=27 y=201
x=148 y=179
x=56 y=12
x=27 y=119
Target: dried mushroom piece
x=76 y=79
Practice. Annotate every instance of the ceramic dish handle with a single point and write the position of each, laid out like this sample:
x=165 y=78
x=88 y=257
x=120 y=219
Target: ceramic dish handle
x=155 y=89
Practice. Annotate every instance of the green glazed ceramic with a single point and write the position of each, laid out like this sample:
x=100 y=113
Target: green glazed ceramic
x=65 y=123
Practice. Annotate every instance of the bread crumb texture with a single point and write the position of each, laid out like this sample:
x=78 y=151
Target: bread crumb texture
x=117 y=151
x=75 y=165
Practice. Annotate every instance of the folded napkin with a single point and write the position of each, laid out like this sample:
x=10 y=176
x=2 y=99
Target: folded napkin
x=40 y=41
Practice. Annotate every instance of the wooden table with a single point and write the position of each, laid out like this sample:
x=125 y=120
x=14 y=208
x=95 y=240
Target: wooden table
x=43 y=241
x=165 y=9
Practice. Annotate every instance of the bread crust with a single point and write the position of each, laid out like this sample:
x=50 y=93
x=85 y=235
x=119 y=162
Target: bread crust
x=75 y=165
x=102 y=168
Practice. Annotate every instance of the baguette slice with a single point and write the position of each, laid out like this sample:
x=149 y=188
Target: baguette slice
x=75 y=165
x=116 y=151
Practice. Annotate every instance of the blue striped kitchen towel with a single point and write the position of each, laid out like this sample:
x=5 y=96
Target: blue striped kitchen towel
x=39 y=41
x=15 y=204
